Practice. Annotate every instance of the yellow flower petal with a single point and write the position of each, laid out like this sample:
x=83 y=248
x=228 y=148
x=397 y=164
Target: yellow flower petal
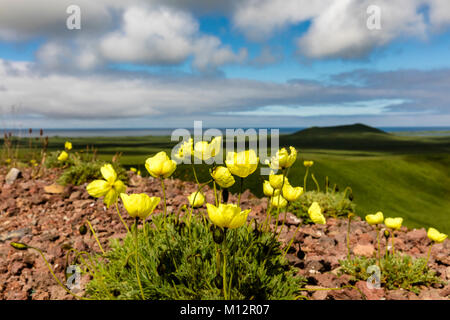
x=63 y=156
x=290 y=193
x=375 y=218
x=278 y=201
x=98 y=188
x=242 y=164
x=315 y=213
x=68 y=145
x=108 y=173
x=223 y=177
x=227 y=215
x=393 y=223
x=160 y=165
x=436 y=236
x=196 y=199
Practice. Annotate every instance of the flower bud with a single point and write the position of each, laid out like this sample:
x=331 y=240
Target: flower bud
x=19 y=246
x=218 y=234
x=225 y=194
x=83 y=230
x=223 y=177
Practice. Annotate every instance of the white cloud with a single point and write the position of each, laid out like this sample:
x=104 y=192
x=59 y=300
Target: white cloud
x=146 y=35
x=439 y=13
x=23 y=19
x=259 y=19
x=341 y=30
x=151 y=36
x=338 y=27
x=119 y=96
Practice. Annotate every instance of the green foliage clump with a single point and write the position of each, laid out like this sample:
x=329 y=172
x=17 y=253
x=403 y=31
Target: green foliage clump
x=177 y=262
x=82 y=172
x=51 y=160
x=333 y=204
x=397 y=271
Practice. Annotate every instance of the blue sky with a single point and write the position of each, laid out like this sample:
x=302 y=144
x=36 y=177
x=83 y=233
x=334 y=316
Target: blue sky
x=261 y=63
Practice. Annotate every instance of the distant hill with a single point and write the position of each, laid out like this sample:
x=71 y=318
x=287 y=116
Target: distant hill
x=347 y=129
x=364 y=138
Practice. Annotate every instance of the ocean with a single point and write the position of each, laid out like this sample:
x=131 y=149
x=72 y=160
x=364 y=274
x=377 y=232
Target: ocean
x=138 y=132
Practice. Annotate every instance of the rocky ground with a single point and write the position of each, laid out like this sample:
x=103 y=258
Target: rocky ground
x=48 y=217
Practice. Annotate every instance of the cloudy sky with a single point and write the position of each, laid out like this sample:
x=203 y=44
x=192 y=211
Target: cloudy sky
x=247 y=63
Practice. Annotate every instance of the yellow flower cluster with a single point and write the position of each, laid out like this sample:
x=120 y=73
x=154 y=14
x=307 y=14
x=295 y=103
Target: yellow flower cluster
x=278 y=186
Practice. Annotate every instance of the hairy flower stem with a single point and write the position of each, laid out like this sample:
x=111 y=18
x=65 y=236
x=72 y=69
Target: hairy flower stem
x=165 y=201
x=348 y=236
x=282 y=225
x=95 y=236
x=240 y=191
x=378 y=241
x=292 y=240
x=120 y=217
x=224 y=276
x=136 y=242
x=315 y=181
x=304 y=179
x=279 y=198
x=195 y=173
x=428 y=255
x=215 y=194
x=393 y=244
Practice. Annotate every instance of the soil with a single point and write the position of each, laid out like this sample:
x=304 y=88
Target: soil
x=49 y=218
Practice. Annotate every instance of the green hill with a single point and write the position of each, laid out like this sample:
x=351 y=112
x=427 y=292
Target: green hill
x=346 y=129
x=363 y=138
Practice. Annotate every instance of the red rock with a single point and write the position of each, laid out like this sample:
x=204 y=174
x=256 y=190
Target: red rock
x=370 y=293
x=366 y=238
x=320 y=295
x=364 y=250
x=327 y=280
x=345 y=294
x=397 y=295
x=430 y=294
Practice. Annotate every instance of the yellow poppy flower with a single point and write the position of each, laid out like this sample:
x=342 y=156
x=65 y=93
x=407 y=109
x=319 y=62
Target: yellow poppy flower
x=315 y=213
x=133 y=169
x=186 y=150
x=68 y=145
x=278 y=201
x=283 y=159
x=110 y=188
x=393 y=223
x=268 y=190
x=291 y=193
x=199 y=199
x=223 y=177
x=308 y=163
x=227 y=215
x=204 y=150
x=375 y=218
x=276 y=180
x=436 y=236
x=63 y=156
x=139 y=205
x=242 y=164
x=160 y=165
